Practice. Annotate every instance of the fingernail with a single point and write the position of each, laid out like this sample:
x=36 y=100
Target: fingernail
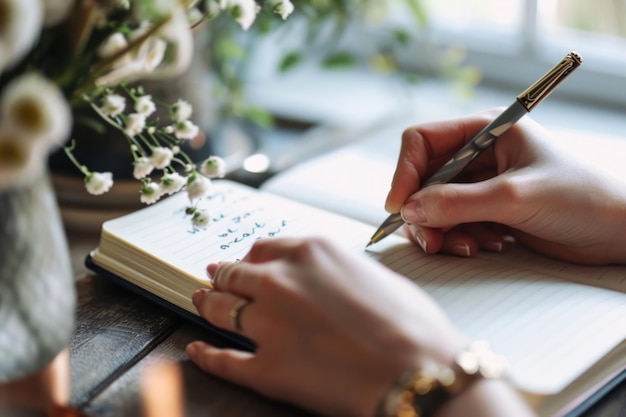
x=462 y=249
x=419 y=238
x=412 y=212
x=192 y=348
x=495 y=246
x=210 y=270
x=197 y=296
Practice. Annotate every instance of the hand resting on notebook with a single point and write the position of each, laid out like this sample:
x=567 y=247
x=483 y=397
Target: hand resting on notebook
x=334 y=331
x=543 y=190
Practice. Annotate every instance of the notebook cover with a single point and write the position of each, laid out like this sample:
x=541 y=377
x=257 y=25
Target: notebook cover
x=240 y=341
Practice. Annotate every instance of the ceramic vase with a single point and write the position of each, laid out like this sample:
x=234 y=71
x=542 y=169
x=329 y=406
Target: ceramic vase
x=37 y=289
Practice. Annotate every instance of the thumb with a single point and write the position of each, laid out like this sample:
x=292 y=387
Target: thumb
x=448 y=205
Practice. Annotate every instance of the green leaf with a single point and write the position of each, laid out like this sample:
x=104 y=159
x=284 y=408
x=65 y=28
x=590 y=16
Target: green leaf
x=339 y=60
x=289 y=61
x=419 y=12
x=259 y=116
x=229 y=49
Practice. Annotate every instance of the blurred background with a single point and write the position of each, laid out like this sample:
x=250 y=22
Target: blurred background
x=413 y=61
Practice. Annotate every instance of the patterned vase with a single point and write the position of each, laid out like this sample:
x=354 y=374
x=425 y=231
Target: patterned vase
x=37 y=289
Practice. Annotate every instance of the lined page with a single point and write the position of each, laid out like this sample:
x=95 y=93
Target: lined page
x=550 y=330
x=239 y=216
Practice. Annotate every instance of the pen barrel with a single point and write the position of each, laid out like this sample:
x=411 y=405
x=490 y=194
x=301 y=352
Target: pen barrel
x=484 y=139
x=541 y=89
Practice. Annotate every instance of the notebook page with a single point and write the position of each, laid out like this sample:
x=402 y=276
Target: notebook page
x=239 y=216
x=610 y=276
x=550 y=330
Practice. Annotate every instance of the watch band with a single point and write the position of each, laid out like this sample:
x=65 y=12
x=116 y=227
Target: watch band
x=420 y=392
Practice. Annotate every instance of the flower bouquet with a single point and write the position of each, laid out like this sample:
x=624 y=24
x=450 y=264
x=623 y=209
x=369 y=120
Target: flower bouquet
x=59 y=57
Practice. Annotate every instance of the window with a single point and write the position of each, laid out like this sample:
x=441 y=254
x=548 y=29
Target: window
x=515 y=41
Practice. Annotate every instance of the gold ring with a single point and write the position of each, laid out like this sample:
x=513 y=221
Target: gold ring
x=235 y=312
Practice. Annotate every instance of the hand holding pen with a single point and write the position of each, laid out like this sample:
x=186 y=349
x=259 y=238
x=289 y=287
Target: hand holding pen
x=523 y=104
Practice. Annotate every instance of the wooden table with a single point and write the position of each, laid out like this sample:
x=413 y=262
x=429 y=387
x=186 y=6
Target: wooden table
x=118 y=335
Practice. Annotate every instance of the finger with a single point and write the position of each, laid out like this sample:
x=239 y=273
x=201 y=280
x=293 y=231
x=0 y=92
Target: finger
x=224 y=310
x=424 y=144
x=230 y=364
x=486 y=235
x=265 y=250
x=458 y=243
x=243 y=278
x=496 y=200
x=429 y=239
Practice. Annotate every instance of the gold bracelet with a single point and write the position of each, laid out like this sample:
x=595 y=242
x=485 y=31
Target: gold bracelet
x=420 y=392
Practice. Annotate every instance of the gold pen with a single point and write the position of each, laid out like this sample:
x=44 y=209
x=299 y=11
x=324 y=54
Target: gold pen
x=523 y=104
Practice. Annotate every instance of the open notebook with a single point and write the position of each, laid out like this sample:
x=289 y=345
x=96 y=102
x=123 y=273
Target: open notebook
x=562 y=327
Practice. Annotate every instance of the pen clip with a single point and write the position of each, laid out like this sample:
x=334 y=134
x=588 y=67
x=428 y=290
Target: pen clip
x=534 y=94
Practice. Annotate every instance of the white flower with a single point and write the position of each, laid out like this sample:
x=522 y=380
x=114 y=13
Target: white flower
x=35 y=108
x=135 y=123
x=214 y=167
x=186 y=130
x=151 y=54
x=243 y=11
x=113 y=105
x=150 y=193
x=98 y=183
x=284 y=8
x=180 y=111
x=200 y=218
x=197 y=186
x=143 y=167
x=165 y=54
x=20 y=159
x=144 y=105
x=20 y=26
x=213 y=8
x=172 y=183
x=115 y=43
x=161 y=157
x=56 y=11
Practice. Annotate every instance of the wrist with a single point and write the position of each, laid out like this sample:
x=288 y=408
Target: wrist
x=432 y=386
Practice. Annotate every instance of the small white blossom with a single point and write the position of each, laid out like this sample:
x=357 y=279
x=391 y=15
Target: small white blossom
x=151 y=54
x=169 y=129
x=186 y=130
x=243 y=11
x=19 y=29
x=113 y=105
x=142 y=167
x=98 y=183
x=151 y=130
x=172 y=183
x=181 y=111
x=145 y=106
x=135 y=123
x=150 y=193
x=35 y=108
x=161 y=157
x=200 y=218
x=214 y=167
x=112 y=45
x=212 y=8
x=197 y=186
x=284 y=8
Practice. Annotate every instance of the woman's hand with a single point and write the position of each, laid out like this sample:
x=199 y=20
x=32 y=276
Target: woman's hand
x=528 y=186
x=333 y=330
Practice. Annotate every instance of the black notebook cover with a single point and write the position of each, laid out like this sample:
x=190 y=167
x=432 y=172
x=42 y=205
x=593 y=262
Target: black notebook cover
x=240 y=341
